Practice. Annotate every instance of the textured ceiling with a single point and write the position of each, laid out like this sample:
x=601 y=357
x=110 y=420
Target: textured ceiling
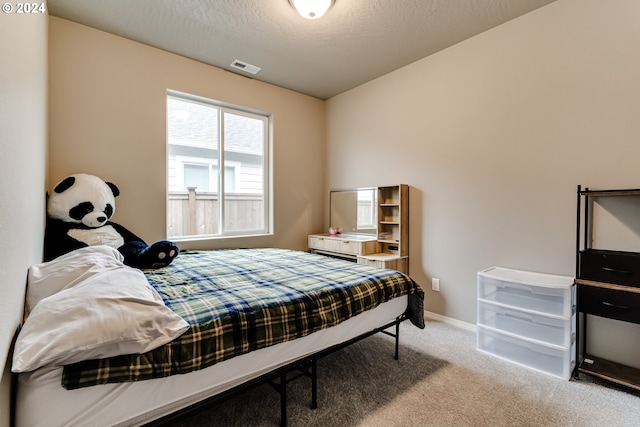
x=355 y=42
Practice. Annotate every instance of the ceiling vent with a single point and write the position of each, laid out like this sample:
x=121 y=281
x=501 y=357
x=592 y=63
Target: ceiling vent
x=245 y=67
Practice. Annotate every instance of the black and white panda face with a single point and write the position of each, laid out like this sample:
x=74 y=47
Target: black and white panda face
x=83 y=199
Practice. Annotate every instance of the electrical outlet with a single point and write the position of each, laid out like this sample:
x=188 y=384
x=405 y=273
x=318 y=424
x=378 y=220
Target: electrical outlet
x=435 y=285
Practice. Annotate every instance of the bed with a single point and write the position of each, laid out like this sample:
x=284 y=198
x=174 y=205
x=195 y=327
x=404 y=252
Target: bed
x=210 y=323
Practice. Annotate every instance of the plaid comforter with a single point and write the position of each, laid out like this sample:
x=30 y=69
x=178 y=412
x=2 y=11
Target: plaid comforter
x=240 y=300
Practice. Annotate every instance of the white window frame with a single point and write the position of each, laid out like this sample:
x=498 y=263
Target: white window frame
x=267 y=177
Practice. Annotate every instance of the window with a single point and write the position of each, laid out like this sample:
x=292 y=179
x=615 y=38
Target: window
x=204 y=138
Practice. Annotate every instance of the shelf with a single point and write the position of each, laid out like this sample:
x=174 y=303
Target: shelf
x=382 y=257
x=611 y=371
x=386 y=260
x=624 y=288
x=393 y=219
x=596 y=193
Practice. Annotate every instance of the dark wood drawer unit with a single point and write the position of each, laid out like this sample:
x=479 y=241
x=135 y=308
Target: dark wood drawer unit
x=610 y=267
x=610 y=303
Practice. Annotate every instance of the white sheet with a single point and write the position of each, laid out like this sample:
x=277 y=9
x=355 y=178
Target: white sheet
x=42 y=401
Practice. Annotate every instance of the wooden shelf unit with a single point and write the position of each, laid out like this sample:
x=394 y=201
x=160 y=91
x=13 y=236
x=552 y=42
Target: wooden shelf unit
x=393 y=229
x=393 y=219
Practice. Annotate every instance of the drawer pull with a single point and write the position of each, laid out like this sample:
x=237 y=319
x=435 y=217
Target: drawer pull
x=519 y=316
x=616 y=271
x=608 y=304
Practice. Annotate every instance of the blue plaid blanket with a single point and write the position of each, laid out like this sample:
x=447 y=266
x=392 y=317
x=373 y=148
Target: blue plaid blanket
x=240 y=300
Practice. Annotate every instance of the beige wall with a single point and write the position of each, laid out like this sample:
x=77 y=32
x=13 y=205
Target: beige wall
x=23 y=134
x=107 y=118
x=494 y=135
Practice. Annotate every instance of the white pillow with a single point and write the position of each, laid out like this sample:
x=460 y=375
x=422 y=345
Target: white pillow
x=112 y=312
x=67 y=270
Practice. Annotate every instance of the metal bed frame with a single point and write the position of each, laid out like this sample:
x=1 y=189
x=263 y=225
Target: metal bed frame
x=280 y=377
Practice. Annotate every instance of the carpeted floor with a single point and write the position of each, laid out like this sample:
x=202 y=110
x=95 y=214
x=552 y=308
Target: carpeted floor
x=440 y=380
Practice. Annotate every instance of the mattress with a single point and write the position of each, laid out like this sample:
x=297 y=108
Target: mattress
x=240 y=300
x=42 y=401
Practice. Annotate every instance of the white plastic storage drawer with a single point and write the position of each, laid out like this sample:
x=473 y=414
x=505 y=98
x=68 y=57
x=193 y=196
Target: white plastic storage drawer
x=555 y=361
x=551 y=330
x=534 y=292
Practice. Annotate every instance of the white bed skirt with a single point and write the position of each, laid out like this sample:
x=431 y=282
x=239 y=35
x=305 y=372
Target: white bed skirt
x=41 y=400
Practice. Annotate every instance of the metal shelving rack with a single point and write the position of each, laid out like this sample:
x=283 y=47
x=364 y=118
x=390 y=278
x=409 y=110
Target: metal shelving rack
x=602 y=298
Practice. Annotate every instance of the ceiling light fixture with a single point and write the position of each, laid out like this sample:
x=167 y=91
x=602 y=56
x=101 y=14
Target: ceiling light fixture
x=311 y=9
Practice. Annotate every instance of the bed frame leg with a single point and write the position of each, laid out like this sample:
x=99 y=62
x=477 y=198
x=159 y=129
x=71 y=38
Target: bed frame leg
x=395 y=323
x=308 y=368
x=397 y=355
x=314 y=383
x=283 y=400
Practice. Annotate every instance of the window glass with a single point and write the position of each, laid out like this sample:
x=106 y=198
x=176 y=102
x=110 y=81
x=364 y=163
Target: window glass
x=202 y=136
x=196 y=177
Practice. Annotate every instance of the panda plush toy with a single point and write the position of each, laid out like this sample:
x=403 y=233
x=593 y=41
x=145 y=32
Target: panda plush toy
x=78 y=213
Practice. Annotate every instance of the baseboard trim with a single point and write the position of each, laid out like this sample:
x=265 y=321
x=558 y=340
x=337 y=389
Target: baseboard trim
x=450 y=321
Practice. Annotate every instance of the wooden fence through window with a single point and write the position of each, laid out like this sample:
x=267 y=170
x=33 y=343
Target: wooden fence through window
x=192 y=213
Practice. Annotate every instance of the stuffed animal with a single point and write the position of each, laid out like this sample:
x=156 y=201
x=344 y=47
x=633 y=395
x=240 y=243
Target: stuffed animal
x=78 y=213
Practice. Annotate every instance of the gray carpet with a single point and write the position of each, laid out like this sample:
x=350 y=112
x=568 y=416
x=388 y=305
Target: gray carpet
x=440 y=380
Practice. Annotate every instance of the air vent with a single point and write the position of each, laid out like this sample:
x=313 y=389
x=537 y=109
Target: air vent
x=245 y=67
